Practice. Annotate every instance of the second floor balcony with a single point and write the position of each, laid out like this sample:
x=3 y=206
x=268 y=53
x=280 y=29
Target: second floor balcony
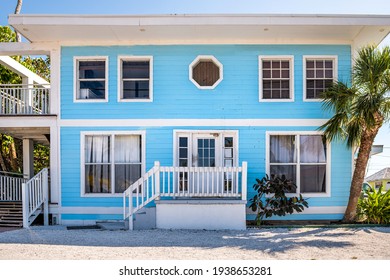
x=25 y=99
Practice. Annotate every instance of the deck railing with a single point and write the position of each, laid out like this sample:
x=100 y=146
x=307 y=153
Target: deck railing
x=11 y=186
x=24 y=99
x=185 y=182
x=35 y=197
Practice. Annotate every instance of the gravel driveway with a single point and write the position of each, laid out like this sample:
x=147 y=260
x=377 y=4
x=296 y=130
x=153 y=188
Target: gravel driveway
x=56 y=242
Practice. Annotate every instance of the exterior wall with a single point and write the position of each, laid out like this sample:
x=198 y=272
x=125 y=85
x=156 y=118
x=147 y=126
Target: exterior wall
x=176 y=97
x=385 y=184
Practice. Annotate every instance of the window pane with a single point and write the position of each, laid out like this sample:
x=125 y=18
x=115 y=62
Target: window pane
x=92 y=90
x=267 y=74
x=135 y=89
x=183 y=141
x=282 y=149
x=97 y=178
x=266 y=64
x=97 y=149
x=128 y=149
x=313 y=178
x=312 y=149
x=92 y=69
x=228 y=142
x=135 y=70
x=126 y=175
x=287 y=170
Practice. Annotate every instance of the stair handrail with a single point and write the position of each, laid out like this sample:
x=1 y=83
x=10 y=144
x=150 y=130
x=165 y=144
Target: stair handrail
x=11 y=186
x=35 y=195
x=144 y=190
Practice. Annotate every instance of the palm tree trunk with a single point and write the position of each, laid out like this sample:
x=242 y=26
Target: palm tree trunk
x=366 y=141
x=18 y=8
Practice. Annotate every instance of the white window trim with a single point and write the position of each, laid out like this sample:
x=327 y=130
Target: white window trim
x=335 y=72
x=205 y=57
x=135 y=58
x=285 y=57
x=190 y=133
x=76 y=59
x=327 y=193
x=112 y=134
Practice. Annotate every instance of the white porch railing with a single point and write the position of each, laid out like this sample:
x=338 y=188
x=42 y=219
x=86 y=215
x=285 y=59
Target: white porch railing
x=185 y=182
x=11 y=187
x=35 y=197
x=24 y=99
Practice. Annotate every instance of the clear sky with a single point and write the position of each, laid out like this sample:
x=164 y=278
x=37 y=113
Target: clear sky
x=213 y=7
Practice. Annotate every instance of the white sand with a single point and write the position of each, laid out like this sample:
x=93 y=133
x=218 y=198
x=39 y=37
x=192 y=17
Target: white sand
x=56 y=242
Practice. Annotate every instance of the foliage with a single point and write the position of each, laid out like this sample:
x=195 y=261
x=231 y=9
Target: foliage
x=359 y=110
x=41 y=157
x=271 y=198
x=11 y=149
x=374 y=206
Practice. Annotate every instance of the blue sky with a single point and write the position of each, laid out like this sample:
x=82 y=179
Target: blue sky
x=210 y=7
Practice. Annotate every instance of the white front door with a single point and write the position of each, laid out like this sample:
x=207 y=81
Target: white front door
x=205 y=151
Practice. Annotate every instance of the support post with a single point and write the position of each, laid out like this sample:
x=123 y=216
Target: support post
x=45 y=197
x=25 y=206
x=27 y=90
x=28 y=158
x=244 y=180
x=131 y=226
x=157 y=178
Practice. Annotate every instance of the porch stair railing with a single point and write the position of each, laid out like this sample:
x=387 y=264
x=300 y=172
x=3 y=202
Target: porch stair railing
x=35 y=198
x=24 y=99
x=11 y=186
x=190 y=182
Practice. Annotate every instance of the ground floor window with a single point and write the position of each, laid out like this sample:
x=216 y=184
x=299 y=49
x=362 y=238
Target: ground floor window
x=111 y=162
x=302 y=158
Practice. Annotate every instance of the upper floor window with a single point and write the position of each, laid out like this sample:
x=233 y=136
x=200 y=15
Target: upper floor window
x=91 y=79
x=302 y=158
x=319 y=74
x=135 y=76
x=206 y=72
x=276 y=78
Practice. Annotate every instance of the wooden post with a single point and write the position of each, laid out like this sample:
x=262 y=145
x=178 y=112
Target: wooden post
x=45 y=182
x=25 y=205
x=131 y=226
x=157 y=178
x=244 y=180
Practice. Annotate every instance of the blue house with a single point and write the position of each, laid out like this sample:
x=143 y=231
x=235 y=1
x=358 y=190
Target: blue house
x=166 y=121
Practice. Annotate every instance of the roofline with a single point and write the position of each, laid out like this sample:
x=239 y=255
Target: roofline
x=202 y=19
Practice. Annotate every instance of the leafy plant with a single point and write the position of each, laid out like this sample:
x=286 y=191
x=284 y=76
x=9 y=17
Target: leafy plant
x=374 y=206
x=271 y=198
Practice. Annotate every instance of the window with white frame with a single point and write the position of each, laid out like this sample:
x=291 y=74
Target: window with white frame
x=276 y=78
x=112 y=162
x=135 y=78
x=320 y=73
x=302 y=158
x=91 y=79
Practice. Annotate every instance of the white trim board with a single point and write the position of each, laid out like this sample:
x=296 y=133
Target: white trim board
x=189 y=122
x=313 y=210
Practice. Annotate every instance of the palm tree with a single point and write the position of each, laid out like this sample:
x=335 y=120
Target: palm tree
x=359 y=112
x=18 y=8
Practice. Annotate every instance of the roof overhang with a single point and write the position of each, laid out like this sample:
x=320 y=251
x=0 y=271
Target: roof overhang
x=202 y=29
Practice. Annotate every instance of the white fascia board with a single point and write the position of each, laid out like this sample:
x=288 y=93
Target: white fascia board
x=196 y=19
x=21 y=70
x=23 y=48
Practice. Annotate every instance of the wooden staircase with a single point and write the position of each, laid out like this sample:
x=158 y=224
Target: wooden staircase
x=11 y=214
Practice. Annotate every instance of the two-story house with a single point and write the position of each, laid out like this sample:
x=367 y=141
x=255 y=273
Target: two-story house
x=174 y=117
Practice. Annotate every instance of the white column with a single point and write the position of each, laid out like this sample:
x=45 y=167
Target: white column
x=27 y=94
x=28 y=157
x=55 y=64
x=54 y=164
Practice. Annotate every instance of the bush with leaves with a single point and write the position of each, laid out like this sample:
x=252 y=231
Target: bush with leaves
x=271 y=198
x=374 y=206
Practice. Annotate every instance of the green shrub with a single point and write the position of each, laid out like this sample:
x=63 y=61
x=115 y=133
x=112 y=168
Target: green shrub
x=374 y=206
x=271 y=198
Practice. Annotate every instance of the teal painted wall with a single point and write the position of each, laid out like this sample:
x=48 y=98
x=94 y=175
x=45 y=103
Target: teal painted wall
x=175 y=96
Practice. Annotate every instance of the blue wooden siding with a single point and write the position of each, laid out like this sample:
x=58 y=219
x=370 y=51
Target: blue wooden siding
x=176 y=97
x=159 y=146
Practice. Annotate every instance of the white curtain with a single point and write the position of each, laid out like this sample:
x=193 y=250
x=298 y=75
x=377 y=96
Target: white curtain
x=127 y=161
x=97 y=164
x=282 y=149
x=313 y=176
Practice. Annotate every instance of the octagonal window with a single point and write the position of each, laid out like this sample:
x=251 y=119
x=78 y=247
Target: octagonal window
x=206 y=72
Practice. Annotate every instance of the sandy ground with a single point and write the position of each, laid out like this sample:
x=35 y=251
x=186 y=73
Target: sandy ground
x=58 y=243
